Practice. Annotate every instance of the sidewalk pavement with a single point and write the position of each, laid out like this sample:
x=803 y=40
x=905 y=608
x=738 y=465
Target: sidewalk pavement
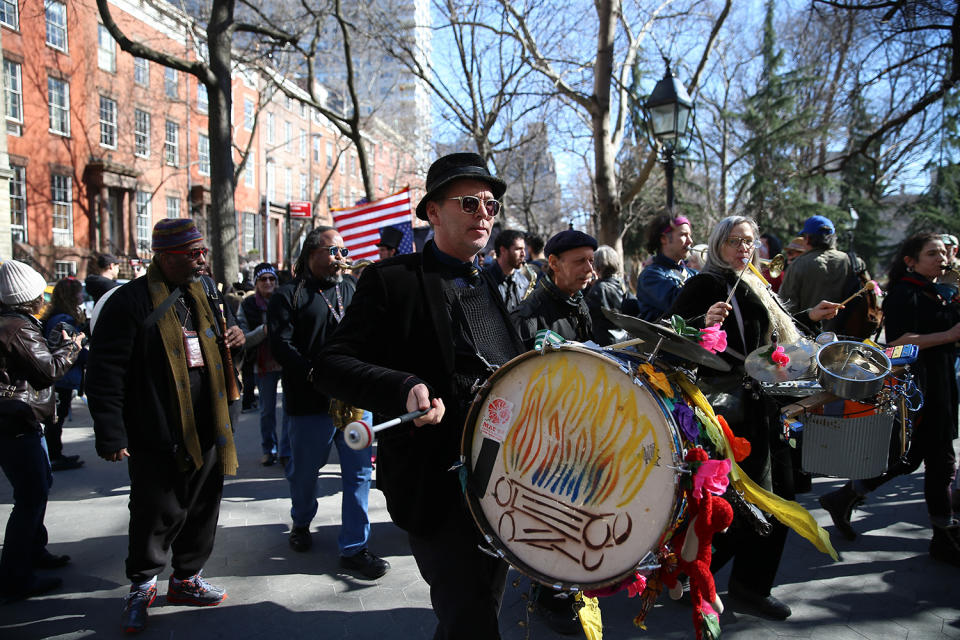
x=885 y=587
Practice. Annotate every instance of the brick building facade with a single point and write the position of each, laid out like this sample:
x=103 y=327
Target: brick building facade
x=102 y=144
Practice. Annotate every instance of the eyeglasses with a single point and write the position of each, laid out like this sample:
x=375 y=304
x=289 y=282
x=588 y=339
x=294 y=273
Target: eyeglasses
x=334 y=250
x=193 y=254
x=471 y=205
x=736 y=242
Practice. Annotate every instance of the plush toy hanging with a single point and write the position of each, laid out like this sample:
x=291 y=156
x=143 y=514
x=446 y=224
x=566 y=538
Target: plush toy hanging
x=707 y=514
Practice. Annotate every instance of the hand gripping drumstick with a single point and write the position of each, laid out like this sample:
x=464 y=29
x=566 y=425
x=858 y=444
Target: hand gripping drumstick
x=358 y=435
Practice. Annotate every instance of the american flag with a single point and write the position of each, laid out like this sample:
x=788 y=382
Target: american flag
x=360 y=225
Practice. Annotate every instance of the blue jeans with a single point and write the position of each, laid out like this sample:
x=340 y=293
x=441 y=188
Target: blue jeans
x=267 y=386
x=25 y=463
x=310 y=440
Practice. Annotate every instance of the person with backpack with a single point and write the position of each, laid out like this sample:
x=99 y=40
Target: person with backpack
x=825 y=273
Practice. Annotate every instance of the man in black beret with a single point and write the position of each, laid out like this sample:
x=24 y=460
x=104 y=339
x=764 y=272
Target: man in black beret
x=557 y=303
x=421 y=331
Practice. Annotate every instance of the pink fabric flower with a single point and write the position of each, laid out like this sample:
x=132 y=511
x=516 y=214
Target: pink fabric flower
x=713 y=339
x=712 y=476
x=779 y=357
x=876 y=288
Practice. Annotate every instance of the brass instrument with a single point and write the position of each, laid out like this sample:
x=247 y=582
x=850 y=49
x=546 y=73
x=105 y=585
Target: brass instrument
x=343 y=414
x=775 y=265
x=359 y=264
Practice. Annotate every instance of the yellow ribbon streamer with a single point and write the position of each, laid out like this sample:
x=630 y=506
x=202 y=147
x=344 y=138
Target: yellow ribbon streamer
x=788 y=512
x=590 y=617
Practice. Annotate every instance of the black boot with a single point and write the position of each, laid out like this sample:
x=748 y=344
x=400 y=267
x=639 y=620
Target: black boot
x=839 y=504
x=945 y=545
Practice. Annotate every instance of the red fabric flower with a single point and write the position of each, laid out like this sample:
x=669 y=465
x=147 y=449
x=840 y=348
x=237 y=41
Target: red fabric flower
x=741 y=446
x=712 y=476
x=779 y=357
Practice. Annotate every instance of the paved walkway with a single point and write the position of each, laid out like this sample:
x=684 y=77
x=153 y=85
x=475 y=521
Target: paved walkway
x=885 y=587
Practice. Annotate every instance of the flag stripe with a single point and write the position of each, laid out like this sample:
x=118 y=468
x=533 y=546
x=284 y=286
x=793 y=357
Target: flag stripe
x=360 y=226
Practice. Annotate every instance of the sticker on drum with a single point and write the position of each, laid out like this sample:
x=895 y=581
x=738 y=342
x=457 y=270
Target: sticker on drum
x=571 y=467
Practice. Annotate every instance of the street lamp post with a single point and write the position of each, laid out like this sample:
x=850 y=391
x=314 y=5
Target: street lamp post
x=669 y=110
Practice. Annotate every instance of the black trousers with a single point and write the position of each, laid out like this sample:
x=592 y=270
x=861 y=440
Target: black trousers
x=466 y=585
x=24 y=462
x=172 y=510
x=756 y=558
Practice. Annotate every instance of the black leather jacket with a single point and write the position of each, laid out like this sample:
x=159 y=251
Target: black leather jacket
x=28 y=369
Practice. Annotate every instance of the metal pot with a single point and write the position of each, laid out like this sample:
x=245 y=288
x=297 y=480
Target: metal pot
x=852 y=370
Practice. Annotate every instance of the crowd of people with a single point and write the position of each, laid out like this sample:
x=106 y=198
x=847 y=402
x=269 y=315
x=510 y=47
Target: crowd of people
x=419 y=332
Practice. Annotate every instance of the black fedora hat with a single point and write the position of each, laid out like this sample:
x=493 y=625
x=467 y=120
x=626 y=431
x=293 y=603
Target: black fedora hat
x=453 y=167
x=390 y=237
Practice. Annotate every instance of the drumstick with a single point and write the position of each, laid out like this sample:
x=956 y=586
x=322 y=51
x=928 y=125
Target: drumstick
x=746 y=261
x=869 y=285
x=358 y=435
x=627 y=343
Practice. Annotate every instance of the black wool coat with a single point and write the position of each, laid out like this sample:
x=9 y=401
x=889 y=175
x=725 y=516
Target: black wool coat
x=129 y=385
x=396 y=334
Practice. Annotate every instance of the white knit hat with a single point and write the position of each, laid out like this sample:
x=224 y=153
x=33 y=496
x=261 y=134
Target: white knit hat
x=19 y=283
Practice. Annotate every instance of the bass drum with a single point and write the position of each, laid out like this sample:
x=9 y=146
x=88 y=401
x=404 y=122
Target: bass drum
x=572 y=467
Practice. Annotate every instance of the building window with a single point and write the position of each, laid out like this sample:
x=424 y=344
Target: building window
x=171 y=143
x=108 y=122
x=203 y=155
x=143 y=220
x=252 y=232
x=248 y=114
x=270 y=124
x=170 y=82
x=173 y=207
x=13 y=96
x=343 y=197
x=106 y=50
x=271 y=182
x=287 y=135
x=250 y=170
x=316 y=149
x=141 y=71
x=329 y=199
x=18 y=204
x=61 y=188
x=342 y=167
x=329 y=155
x=303 y=186
x=64 y=269
x=303 y=111
x=8 y=14
x=141 y=133
x=288 y=192
x=59 y=92
x=303 y=144
x=56 y=24
x=203 y=100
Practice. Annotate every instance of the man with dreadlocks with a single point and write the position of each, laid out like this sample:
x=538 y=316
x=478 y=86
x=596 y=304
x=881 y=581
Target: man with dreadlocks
x=300 y=317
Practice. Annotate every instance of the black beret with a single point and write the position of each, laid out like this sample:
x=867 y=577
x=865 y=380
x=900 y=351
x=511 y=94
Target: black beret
x=568 y=239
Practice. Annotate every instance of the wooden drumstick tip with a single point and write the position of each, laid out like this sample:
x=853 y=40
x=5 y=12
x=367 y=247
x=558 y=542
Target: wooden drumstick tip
x=868 y=286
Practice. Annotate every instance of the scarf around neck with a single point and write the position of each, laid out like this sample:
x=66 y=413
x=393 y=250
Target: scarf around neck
x=171 y=333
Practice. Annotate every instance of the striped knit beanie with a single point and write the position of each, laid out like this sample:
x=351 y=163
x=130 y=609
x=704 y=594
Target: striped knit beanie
x=171 y=233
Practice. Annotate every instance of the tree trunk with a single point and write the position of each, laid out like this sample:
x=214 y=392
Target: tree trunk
x=223 y=216
x=608 y=197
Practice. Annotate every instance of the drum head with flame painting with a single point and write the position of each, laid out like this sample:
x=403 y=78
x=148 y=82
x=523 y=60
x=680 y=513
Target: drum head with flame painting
x=569 y=467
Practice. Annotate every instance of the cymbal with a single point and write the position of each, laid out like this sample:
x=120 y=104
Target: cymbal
x=802 y=363
x=673 y=343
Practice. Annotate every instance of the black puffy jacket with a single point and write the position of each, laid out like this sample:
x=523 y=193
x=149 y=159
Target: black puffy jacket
x=28 y=369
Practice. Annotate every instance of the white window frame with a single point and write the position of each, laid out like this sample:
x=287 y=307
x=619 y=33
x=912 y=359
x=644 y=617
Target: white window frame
x=250 y=170
x=171 y=83
x=248 y=111
x=287 y=135
x=56 y=19
x=141 y=72
x=288 y=191
x=173 y=207
x=203 y=98
x=271 y=121
x=108 y=122
x=144 y=218
x=64 y=269
x=203 y=154
x=13 y=96
x=10 y=14
x=329 y=155
x=59 y=109
x=18 y=204
x=61 y=199
x=106 y=50
x=303 y=144
x=171 y=144
x=141 y=133
x=304 y=183
x=271 y=182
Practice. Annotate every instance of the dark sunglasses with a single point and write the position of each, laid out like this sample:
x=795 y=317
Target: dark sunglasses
x=334 y=250
x=193 y=254
x=471 y=205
